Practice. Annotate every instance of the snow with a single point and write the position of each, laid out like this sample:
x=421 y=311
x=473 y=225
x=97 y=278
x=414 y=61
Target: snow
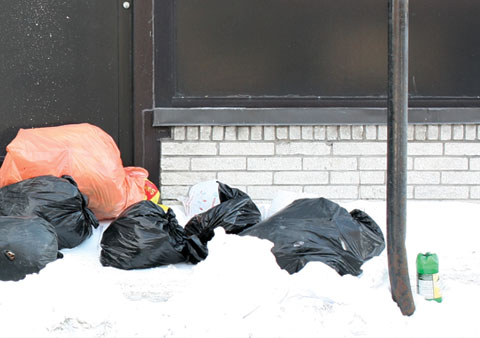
x=239 y=290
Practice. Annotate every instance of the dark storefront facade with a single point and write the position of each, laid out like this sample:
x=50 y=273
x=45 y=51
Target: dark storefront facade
x=146 y=70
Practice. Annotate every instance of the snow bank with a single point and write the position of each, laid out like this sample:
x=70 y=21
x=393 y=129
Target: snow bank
x=239 y=290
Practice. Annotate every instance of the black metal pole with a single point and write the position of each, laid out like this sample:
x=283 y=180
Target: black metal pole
x=397 y=154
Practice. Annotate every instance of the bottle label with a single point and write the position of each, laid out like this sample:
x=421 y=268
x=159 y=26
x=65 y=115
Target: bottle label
x=428 y=285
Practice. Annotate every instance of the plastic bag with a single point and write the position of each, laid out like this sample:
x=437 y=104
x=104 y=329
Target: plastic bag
x=283 y=198
x=151 y=192
x=235 y=213
x=57 y=200
x=316 y=229
x=27 y=245
x=82 y=151
x=201 y=197
x=145 y=236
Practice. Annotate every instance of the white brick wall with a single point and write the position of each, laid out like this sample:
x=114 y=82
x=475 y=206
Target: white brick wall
x=341 y=163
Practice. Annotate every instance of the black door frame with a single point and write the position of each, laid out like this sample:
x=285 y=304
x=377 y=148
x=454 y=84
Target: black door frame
x=146 y=138
x=125 y=84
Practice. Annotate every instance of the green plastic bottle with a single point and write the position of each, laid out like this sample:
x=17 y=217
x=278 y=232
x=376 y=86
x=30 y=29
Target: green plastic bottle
x=428 y=280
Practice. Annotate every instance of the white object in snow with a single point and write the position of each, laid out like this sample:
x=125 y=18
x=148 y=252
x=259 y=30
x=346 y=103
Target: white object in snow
x=201 y=197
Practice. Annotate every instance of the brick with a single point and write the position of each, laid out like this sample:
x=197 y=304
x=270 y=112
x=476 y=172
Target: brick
x=307 y=133
x=179 y=133
x=382 y=133
x=420 y=132
x=357 y=132
x=409 y=163
x=475 y=192
x=475 y=163
x=440 y=163
x=344 y=177
x=269 y=133
x=173 y=192
x=424 y=148
x=411 y=132
x=205 y=133
x=243 y=133
x=175 y=163
x=256 y=133
x=281 y=133
x=246 y=148
x=346 y=192
x=217 y=133
x=239 y=187
x=457 y=132
x=433 y=132
x=300 y=177
x=373 y=163
x=329 y=163
x=380 y=163
x=375 y=192
x=219 y=163
x=268 y=192
x=172 y=202
x=302 y=148
x=445 y=132
x=185 y=178
x=345 y=132
x=319 y=133
x=462 y=148
x=262 y=205
x=371 y=132
x=188 y=148
x=295 y=133
x=372 y=177
x=192 y=133
x=423 y=177
x=274 y=163
x=470 y=132
x=360 y=148
x=332 y=133
x=230 y=133
x=245 y=178
x=461 y=177
x=410 y=192
x=441 y=192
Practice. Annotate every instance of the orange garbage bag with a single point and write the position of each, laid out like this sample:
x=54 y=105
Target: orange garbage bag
x=86 y=153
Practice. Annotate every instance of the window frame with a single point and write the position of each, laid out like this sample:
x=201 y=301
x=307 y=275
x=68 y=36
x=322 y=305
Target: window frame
x=172 y=110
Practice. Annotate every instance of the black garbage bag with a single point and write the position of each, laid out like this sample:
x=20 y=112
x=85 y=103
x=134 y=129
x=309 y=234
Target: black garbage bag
x=235 y=213
x=145 y=236
x=55 y=199
x=317 y=229
x=27 y=245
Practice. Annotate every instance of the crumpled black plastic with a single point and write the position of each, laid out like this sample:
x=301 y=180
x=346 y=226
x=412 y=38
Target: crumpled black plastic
x=55 y=199
x=317 y=229
x=27 y=245
x=235 y=213
x=145 y=236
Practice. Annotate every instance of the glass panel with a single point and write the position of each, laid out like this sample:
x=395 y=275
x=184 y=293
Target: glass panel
x=281 y=47
x=444 y=48
x=321 y=48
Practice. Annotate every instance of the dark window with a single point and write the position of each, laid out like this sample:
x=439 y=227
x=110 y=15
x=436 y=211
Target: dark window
x=311 y=53
x=279 y=48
